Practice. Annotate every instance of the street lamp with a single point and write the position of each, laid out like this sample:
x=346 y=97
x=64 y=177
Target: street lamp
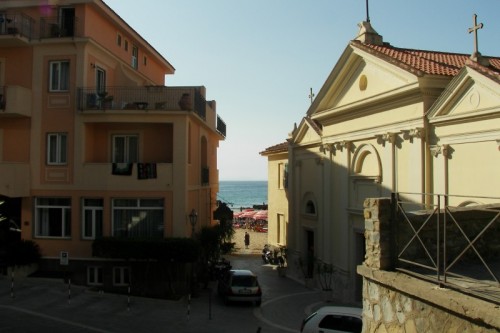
x=193 y=218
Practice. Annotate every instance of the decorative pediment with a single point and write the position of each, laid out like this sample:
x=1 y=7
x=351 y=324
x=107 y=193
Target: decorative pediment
x=359 y=76
x=470 y=93
x=307 y=132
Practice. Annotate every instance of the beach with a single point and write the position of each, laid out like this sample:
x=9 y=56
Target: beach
x=257 y=241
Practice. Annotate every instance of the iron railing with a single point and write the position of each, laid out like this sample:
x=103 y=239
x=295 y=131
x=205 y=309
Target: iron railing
x=205 y=176
x=17 y=24
x=55 y=27
x=221 y=126
x=2 y=98
x=456 y=246
x=143 y=98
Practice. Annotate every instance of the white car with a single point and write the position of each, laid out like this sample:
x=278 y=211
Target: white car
x=333 y=319
x=240 y=285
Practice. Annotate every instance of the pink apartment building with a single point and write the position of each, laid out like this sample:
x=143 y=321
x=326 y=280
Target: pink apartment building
x=92 y=141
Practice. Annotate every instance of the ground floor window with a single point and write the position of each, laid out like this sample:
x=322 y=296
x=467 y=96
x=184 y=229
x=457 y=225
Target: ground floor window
x=138 y=218
x=92 y=218
x=94 y=276
x=121 y=276
x=53 y=217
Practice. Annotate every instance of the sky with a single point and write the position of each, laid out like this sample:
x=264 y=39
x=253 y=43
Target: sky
x=259 y=59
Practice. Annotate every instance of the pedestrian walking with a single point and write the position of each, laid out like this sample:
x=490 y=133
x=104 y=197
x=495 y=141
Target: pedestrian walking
x=247 y=239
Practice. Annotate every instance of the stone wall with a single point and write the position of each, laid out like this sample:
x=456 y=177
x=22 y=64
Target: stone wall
x=396 y=302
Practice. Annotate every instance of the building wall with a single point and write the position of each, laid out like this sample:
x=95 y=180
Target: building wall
x=277 y=194
x=397 y=302
x=88 y=171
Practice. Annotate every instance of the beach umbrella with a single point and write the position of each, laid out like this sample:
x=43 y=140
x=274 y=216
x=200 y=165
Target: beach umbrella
x=260 y=215
x=247 y=214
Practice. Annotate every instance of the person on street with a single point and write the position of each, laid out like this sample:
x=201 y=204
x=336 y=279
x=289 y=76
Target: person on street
x=247 y=239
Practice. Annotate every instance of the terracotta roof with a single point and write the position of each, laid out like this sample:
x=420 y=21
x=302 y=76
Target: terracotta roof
x=422 y=62
x=279 y=148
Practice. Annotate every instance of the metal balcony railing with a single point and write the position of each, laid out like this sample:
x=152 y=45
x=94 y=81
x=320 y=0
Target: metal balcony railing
x=17 y=24
x=54 y=27
x=205 y=176
x=221 y=126
x=457 y=247
x=158 y=98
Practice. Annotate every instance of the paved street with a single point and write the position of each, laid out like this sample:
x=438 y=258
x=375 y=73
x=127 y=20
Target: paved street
x=43 y=305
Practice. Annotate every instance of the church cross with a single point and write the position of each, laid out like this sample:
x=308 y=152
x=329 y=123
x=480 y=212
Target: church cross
x=474 y=29
x=311 y=95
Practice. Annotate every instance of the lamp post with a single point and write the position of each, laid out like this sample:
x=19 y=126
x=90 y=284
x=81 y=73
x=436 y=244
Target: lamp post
x=193 y=218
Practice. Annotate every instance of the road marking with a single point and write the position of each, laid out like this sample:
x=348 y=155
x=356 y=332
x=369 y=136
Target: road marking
x=53 y=318
x=258 y=312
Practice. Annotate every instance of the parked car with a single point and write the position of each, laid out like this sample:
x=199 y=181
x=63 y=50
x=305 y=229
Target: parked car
x=240 y=285
x=333 y=319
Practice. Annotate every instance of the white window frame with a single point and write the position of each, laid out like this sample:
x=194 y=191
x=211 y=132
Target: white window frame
x=96 y=214
x=57 y=154
x=135 y=57
x=126 y=158
x=94 y=276
x=42 y=218
x=59 y=75
x=122 y=274
x=140 y=205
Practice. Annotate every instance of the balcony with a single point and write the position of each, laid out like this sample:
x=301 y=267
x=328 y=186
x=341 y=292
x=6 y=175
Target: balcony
x=15 y=101
x=54 y=27
x=15 y=180
x=17 y=25
x=153 y=99
x=147 y=98
x=205 y=176
x=99 y=176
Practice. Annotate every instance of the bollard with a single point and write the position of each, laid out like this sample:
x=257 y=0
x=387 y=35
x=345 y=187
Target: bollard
x=210 y=303
x=12 y=283
x=189 y=306
x=128 y=298
x=69 y=291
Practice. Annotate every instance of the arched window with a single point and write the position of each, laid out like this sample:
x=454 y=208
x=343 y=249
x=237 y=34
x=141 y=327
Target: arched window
x=310 y=208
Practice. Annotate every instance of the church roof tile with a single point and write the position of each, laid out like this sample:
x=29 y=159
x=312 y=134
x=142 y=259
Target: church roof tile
x=423 y=62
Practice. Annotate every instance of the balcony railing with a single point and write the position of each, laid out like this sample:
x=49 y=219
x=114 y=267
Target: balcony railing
x=205 y=176
x=456 y=246
x=158 y=98
x=17 y=24
x=54 y=27
x=221 y=126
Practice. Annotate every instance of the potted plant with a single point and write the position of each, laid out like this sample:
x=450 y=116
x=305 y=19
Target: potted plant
x=104 y=99
x=325 y=273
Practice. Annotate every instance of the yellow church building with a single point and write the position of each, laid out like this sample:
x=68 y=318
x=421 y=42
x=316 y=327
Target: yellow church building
x=387 y=120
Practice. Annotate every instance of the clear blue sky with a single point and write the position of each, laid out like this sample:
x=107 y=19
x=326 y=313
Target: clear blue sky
x=259 y=58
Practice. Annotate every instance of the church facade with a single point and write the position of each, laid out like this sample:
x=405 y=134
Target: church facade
x=387 y=120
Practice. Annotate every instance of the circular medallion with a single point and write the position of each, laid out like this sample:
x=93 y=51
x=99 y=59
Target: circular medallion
x=363 y=82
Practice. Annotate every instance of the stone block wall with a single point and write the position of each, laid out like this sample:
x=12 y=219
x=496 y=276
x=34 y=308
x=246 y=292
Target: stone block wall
x=397 y=302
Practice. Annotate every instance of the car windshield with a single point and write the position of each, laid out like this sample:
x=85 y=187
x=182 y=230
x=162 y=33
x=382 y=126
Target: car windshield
x=341 y=323
x=244 y=281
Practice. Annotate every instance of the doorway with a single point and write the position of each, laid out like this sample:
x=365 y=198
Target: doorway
x=310 y=253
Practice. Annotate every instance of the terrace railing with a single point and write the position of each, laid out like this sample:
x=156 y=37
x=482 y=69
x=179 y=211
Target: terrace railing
x=143 y=98
x=17 y=24
x=54 y=27
x=456 y=246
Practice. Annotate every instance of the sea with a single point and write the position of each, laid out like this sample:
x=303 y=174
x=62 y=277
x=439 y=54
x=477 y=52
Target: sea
x=238 y=194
